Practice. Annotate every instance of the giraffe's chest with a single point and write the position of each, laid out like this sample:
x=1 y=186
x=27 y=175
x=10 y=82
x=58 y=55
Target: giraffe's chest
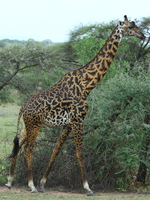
x=57 y=118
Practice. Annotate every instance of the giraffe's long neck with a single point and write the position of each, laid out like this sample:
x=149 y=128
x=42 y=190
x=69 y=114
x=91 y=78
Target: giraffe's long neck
x=94 y=71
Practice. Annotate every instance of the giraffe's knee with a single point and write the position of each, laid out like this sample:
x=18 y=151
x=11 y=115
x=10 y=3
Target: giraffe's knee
x=28 y=148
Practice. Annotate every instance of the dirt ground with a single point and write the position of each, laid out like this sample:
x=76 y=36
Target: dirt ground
x=59 y=193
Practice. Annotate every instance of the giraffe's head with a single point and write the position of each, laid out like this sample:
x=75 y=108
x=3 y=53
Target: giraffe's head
x=130 y=29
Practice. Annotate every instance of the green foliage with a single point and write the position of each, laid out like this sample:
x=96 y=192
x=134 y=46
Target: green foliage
x=23 y=42
x=87 y=40
x=2 y=44
x=5 y=95
x=87 y=48
x=9 y=41
x=51 y=80
x=47 y=42
x=102 y=30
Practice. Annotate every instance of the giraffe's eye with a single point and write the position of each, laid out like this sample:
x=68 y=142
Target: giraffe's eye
x=130 y=27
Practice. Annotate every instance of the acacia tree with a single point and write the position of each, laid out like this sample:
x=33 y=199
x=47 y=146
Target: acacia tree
x=17 y=58
x=30 y=67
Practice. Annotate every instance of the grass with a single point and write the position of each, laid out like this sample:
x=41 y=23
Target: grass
x=23 y=194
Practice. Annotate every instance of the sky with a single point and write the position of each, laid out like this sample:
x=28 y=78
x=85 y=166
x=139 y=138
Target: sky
x=54 y=19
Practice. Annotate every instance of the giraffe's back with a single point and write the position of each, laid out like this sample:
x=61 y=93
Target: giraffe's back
x=52 y=107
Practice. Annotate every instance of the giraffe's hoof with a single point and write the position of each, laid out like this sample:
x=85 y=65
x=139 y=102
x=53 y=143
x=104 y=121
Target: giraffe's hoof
x=34 y=191
x=90 y=194
x=42 y=190
x=8 y=186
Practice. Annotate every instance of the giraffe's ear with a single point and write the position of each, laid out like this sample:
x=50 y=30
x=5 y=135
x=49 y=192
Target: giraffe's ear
x=125 y=18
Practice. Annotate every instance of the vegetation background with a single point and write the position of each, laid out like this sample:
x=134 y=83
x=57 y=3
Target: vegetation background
x=117 y=126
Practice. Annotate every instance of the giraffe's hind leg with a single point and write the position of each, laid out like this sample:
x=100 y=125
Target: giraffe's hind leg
x=22 y=139
x=31 y=136
x=60 y=141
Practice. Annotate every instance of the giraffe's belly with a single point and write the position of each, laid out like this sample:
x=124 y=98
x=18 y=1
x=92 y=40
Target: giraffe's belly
x=57 y=119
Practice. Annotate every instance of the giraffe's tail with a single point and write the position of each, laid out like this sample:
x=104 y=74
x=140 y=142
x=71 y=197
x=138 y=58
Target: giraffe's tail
x=18 y=122
x=16 y=139
x=15 y=148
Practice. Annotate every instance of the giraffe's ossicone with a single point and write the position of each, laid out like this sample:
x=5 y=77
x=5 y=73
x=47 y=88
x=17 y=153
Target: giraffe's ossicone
x=65 y=105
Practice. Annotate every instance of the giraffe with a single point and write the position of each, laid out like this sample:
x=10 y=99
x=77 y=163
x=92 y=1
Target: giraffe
x=65 y=105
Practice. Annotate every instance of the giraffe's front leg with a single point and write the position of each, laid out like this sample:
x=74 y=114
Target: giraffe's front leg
x=77 y=130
